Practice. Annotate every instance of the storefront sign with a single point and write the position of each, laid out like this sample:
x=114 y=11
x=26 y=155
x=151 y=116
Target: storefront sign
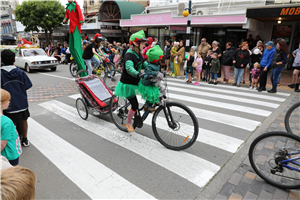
x=110 y=27
x=178 y=28
x=273 y=12
x=110 y=31
x=167 y=19
x=290 y=11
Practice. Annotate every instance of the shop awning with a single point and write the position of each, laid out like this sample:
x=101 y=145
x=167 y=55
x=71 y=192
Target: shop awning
x=274 y=13
x=116 y=10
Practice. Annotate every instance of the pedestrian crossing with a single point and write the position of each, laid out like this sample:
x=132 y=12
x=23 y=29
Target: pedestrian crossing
x=227 y=116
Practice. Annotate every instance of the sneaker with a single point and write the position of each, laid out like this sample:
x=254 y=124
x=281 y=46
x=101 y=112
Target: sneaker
x=234 y=84
x=185 y=80
x=196 y=83
x=178 y=76
x=210 y=82
x=254 y=88
x=215 y=83
x=25 y=142
x=251 y=88
x=188 y=82
x=238 y=85
x=129 y=128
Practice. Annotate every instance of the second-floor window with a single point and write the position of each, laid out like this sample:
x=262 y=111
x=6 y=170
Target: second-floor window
x=92 y=2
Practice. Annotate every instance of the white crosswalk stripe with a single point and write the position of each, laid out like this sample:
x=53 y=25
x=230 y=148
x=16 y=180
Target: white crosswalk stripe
x=196 y=168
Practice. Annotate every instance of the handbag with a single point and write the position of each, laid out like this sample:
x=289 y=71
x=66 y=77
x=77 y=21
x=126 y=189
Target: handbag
x=185 y=64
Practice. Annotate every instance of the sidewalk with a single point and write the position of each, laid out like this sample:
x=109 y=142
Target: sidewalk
x=237 y=180
x=286 y=79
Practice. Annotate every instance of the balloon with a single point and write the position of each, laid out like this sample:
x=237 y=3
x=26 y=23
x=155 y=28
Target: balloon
x=186 y=56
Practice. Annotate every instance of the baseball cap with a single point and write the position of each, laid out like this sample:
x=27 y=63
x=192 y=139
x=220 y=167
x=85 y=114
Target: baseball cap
x=84 y=42
x=269 y=43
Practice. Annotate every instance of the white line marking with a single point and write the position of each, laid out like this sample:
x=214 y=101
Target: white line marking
x=73 y=79
x=245 y=109
x=199 y=90
x=215 y=139
x=230 y=120
x=226 y=97
x=196 y=170
x=231 y=87
x=96 y=180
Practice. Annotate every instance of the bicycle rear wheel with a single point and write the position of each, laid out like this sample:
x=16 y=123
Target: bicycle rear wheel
x=292 y=119
x=267 y=155
x=112 y=80
x=184 y=128
x=108 y=68
x=119 y=111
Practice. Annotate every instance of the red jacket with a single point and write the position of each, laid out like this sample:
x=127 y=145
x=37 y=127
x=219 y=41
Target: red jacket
x=76 y=18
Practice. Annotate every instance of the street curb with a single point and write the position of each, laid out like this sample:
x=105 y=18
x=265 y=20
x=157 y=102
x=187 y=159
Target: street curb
x=225 y=173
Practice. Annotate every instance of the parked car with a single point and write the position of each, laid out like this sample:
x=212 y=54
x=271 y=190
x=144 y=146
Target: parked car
x=34 y=58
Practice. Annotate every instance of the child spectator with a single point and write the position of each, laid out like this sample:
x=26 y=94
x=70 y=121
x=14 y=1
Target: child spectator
x=215 y=68
x=16 y=82
x=189 y=66
x=17 y=183
x=207 y=65
x=255 y=73
x=116 y=59
x=198 y=67
x=10 y=143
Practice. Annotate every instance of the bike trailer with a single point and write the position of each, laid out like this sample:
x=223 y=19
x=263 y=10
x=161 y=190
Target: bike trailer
x=95 y=93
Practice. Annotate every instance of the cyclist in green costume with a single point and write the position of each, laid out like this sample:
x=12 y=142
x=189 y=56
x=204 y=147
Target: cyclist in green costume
x=127 y=87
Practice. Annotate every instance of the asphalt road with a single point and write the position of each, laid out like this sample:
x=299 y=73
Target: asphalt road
x=92 y=159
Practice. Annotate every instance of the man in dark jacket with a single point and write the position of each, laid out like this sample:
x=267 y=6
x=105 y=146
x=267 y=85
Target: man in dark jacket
x=16 y=82
x=167 y=56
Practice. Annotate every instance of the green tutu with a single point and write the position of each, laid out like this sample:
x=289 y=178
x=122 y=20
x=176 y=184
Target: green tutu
x=149 y=93
x=127 y=91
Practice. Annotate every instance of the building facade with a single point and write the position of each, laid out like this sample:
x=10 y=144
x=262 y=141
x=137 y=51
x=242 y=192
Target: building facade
x=221 y=20
x=8 y=26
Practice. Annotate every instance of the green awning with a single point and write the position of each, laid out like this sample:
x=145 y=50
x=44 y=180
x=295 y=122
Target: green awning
x=108 y=12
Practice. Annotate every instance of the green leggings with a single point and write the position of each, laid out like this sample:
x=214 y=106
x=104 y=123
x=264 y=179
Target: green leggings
x=172 y=67
x=76 y=50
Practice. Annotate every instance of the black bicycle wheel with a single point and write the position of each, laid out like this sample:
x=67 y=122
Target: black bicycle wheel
x=292 y=119
x=82 y=108
x=184 y=128
x=112 y=80
x=108 y=68
x=73 y=68
x=118 y=109
x=268 y=151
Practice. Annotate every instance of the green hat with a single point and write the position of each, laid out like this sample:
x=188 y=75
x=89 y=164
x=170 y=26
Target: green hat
x=138 y=37
x=155 y=54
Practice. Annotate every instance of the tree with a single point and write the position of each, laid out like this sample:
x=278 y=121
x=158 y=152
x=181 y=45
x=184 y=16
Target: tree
x=36 y=15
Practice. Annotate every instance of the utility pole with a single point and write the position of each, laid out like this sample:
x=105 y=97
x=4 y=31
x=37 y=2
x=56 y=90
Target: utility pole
x=188 y=27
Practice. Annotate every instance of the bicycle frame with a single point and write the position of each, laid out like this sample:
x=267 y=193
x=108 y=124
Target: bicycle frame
x=293 y=160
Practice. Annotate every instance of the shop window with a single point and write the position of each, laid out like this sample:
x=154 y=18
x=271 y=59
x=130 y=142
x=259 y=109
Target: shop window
x=284 y=32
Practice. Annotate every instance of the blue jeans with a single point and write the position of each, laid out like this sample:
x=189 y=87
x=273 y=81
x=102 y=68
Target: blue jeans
x=274 y=76
x=214 y=76
x=89 y=64
x=238 y=75
x=279 y=77
x=207 y=74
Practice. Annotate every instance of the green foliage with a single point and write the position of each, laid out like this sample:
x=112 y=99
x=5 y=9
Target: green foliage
x=33 y=15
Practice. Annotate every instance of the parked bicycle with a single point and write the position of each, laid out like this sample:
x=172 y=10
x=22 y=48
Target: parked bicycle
x=292 y=119
x=275 y=157
x=174 y=125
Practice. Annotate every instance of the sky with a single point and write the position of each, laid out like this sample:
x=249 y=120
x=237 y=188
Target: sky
x=63 y=2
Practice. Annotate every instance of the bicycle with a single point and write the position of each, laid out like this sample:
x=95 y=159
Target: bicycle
x=174 y=125
x=293 y=116
x=275 y=157
x=108 y=66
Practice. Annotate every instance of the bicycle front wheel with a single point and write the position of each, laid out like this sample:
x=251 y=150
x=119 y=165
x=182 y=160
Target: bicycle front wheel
x=118 y=109
x=269 y=154
x=182 y=130
x=112 y=79
x=292 y=119
x=73 y=68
